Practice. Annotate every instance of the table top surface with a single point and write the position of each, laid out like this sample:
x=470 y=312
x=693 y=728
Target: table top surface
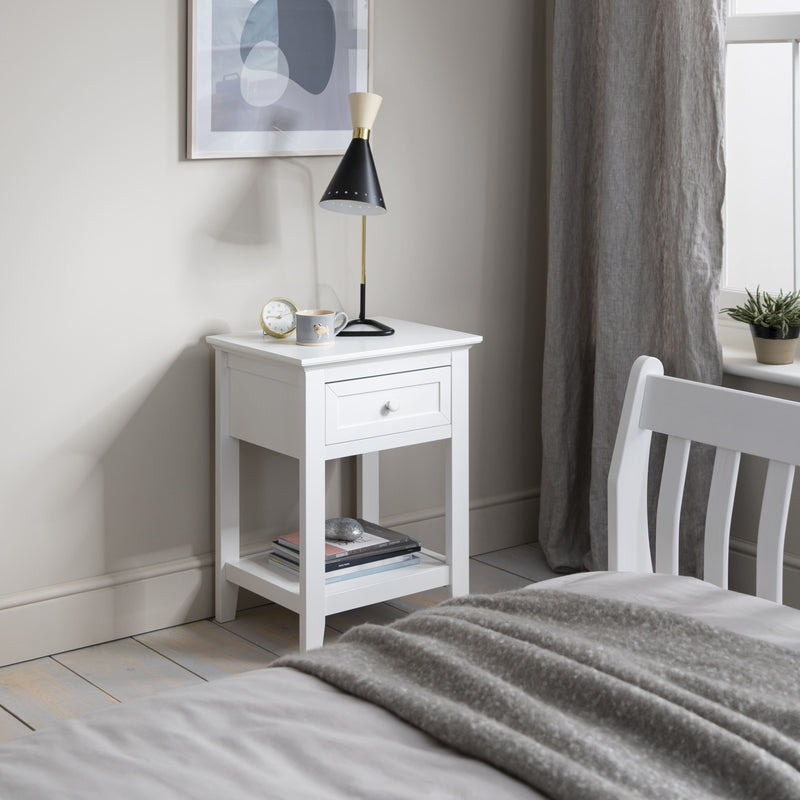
x=409 y=337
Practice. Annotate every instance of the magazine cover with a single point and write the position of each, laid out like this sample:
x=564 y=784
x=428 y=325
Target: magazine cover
x=374 y=538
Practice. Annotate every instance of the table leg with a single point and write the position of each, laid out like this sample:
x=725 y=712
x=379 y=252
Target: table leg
x=312 y=519
x=457 y=479
x=312 y=553
x=226 y=533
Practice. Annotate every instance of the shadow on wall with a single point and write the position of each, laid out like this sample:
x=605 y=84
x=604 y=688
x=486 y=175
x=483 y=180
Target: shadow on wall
x=251 y=214
x=263 y=207
x=128 y=488
x=157 y=472
x=264 y=223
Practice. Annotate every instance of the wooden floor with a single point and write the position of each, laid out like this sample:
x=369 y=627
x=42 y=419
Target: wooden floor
x=36 y=694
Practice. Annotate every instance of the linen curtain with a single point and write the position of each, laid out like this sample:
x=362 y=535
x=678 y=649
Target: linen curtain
x=635 y=244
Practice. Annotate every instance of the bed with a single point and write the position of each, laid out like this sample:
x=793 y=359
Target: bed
x=626 y=683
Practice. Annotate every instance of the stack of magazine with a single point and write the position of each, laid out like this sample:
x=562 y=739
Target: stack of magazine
x=376 y=550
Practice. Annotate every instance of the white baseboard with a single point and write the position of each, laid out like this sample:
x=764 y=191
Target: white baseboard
x=67 y=616
x=70 y=615
x=494 y=522
x=742 y=571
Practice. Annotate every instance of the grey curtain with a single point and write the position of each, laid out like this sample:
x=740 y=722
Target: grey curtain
x=635 y=243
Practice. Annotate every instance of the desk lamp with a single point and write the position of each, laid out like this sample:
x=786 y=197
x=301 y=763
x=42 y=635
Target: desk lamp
x=354 y=189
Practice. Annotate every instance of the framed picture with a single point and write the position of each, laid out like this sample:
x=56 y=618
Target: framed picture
x=271 y=77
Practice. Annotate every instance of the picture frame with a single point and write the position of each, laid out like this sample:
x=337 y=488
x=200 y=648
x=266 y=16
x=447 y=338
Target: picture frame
x=271 y=77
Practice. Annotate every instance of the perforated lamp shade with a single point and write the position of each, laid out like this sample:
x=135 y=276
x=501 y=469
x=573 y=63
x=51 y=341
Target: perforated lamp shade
x=355 y=189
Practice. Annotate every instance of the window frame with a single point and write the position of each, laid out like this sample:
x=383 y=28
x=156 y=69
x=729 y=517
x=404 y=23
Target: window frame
x=764 y=28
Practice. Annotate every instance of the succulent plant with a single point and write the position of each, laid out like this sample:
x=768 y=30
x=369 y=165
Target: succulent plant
x=769 y=311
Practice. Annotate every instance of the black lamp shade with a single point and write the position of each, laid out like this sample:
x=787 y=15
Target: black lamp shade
x=354 y=188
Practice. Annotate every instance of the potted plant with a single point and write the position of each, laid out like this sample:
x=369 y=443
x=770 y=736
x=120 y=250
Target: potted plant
x=774 y=322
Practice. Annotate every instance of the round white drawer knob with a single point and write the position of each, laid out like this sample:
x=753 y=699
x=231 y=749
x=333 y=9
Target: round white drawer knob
x=392 y=405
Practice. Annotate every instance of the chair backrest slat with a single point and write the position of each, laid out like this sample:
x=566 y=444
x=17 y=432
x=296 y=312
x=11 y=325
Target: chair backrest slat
x=772 y=530
x=670 y=501
x=718 y=517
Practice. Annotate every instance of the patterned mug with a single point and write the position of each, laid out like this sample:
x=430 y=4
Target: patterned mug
x=317 y=327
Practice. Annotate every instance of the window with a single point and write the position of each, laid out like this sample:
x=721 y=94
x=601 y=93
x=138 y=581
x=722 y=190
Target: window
x=762 y=148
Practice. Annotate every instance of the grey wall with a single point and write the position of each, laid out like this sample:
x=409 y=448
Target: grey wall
x=119 y=256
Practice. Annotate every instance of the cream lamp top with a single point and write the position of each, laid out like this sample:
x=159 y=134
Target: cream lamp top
x=363 y=109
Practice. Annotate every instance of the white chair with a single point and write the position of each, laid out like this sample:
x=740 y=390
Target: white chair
x=732 y=421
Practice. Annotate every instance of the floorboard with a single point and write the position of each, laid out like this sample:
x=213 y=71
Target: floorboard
x=207 y=649
x=43 y=692
x=526 y=560
x=11 y=727
x=272 y=627
x=126 y=669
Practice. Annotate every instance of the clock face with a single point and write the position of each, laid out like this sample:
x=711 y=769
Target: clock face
x=278 y=317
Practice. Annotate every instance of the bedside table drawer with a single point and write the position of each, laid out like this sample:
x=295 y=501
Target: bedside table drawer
x=385 y=404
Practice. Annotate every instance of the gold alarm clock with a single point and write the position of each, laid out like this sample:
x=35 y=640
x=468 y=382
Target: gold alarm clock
x=278 y=317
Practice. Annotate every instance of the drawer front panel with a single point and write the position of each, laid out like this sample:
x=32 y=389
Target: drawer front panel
x=385 y=404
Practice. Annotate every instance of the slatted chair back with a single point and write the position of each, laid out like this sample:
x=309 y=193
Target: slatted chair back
x=732 y=421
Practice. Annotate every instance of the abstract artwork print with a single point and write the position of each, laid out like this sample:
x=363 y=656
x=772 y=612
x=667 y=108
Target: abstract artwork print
x=271 y=77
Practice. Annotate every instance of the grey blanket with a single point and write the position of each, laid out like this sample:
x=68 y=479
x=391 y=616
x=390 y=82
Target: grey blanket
x=583 y=697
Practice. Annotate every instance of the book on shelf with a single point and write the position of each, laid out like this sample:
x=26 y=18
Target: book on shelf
x=375 y=539
x=335 y=564
x=354 y=571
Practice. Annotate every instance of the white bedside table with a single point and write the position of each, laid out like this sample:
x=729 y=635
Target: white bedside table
x=356 y=397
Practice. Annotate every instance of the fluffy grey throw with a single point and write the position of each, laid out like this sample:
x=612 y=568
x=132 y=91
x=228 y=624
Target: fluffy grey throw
x=584 y=697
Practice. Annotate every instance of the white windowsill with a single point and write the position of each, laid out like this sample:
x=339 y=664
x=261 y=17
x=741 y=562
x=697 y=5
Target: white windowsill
x=739 y=358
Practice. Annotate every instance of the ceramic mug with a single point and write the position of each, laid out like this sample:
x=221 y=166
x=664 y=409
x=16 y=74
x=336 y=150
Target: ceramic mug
x=316 y=326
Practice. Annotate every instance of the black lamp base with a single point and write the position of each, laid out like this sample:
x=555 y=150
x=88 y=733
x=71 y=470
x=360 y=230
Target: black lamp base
x=379 y=328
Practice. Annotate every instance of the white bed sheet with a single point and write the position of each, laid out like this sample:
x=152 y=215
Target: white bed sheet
x=740 y=613
x=278 y=733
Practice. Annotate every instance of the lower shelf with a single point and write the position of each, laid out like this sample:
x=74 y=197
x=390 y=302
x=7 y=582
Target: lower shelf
x=257 y=575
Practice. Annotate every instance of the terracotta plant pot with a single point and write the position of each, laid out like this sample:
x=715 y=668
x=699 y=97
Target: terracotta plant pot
x=772 y=347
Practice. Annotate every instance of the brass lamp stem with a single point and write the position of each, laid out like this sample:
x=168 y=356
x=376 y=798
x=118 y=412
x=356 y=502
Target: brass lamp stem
x=378 y=328
x=363 y=250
